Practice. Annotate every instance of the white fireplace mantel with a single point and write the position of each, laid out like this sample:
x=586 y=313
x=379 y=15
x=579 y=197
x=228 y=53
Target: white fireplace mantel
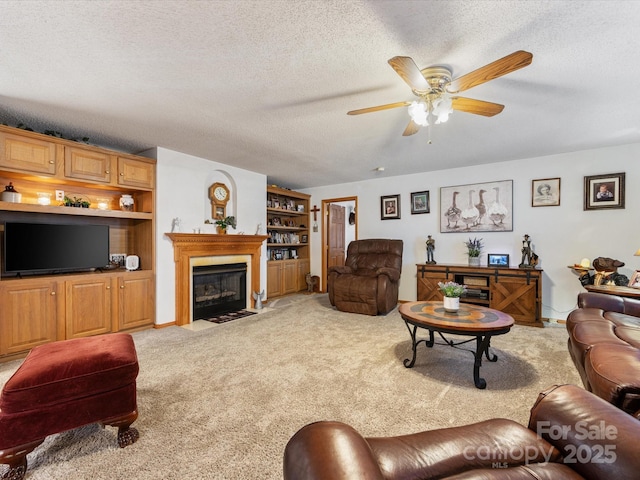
x=190 y=245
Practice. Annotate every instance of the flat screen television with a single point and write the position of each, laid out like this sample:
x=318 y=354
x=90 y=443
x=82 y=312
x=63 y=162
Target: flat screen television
x=46 y=248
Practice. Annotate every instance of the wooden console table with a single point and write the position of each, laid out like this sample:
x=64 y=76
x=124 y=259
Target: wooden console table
x=621 y=291
x=512 y=290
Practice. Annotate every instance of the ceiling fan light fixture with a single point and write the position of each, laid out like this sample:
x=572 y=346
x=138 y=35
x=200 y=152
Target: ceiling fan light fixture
x=442 y=108
x=419 y=113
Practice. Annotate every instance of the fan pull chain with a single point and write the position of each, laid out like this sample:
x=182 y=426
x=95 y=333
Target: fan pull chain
x=429 y=134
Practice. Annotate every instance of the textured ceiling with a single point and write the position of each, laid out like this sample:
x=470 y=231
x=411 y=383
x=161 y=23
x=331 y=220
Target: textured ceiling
x=265 y=85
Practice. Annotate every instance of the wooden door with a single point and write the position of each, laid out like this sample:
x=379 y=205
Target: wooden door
x=27 y=154
x=88 y=306
x=86 y=164
x=335 y=236
x=274 y=278
x=136 y=300
x=517 y=297
x=289 y=276
x=135 y=173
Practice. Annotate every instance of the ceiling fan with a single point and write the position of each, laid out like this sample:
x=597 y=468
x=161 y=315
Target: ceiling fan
x=437 y=90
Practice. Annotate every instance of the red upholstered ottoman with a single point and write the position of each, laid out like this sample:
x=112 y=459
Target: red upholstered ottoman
x=65 y=385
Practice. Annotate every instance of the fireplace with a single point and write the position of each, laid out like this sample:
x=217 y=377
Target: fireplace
x=190 y=250
x=219 y=289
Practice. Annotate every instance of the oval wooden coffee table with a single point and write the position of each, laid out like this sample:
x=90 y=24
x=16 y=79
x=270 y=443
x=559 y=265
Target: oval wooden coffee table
x=471 y=320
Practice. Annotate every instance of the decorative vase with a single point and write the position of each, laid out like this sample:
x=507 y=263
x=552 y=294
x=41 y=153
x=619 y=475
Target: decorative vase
x=221 y=230
x=474 y=261
x=126 y=203
x=451 y=304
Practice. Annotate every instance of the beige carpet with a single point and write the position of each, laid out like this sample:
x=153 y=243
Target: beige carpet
x=223 y=402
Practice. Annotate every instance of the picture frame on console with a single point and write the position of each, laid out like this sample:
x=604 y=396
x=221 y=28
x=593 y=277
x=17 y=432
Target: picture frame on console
x=493 y=202
x=545 y=192
x=497 y=260
x=390 y=207
x=604 y=191
x=420 y=202
x=634 y=281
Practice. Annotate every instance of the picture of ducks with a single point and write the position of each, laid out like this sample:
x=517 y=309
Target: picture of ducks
x=487 y=207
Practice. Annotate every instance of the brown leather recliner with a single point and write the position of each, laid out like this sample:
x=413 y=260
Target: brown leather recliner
x=368 y=281
x=572 y=434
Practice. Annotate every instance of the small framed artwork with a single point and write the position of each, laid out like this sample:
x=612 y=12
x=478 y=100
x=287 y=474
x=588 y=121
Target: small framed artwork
x=545 y=192
x=420 y=202
x=390 y=207
x=498 y=260
x=604 y=191
x=635 y=279
x=304 y=239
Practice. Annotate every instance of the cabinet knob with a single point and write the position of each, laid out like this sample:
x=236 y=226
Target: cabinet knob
x=107 y=172
x=121 y=174
x=51 y=162
x=53 y=293
x=108 y=287
x=121 y=286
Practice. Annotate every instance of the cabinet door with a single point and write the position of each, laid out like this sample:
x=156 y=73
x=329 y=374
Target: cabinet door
x=274 y=279
x=428 y=290
x=517 y=297
x=87 y=165
x=135 y=173
x=136 y=300
x=290 y=277
x=88 y=307
x=27 y=154
x=28 y=315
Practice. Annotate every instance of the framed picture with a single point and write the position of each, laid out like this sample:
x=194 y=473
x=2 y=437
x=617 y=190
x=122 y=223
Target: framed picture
x=545 y=192
x=634 y=281
x=420 y=202
x=390 y=207
x=478 y=207
x=498 y=260
x=304 y=239
x=604 y=191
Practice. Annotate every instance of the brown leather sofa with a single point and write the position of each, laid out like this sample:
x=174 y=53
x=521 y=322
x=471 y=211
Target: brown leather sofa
x=572 y=434
x=368 y=281
x=604 y=344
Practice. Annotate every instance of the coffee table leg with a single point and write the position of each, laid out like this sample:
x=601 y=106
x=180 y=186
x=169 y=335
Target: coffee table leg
x=482 y=347
x=414 y=344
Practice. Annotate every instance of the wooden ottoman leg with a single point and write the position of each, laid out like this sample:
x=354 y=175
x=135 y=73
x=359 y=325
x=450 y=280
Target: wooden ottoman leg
x=126 y=434
x=16 y=458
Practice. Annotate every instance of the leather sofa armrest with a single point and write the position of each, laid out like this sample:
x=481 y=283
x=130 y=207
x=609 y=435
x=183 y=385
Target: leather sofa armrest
x=329 y=450
x=392 y=273
x=608 y=303
x=597 y=439
x=340 y=269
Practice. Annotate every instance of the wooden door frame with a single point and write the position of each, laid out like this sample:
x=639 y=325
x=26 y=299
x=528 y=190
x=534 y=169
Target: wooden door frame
x=325 y=241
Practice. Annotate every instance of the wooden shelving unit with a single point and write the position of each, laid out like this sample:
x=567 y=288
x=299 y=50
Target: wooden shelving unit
x=43 y=308
x=288 y=243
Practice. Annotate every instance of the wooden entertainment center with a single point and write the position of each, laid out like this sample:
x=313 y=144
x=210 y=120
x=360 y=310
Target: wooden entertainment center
x=512 y=290
x=37 y=309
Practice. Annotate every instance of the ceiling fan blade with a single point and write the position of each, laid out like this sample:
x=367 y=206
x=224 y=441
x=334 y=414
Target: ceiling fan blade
x=412 y=128
x=496 y=69
x=378 y=108
x=479 y=107
x=410 y=73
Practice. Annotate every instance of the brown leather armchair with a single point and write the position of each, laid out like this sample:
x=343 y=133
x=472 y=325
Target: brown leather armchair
x=572 y=434
x=368 y=281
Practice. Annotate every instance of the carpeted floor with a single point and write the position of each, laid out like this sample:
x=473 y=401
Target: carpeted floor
x=223 y=402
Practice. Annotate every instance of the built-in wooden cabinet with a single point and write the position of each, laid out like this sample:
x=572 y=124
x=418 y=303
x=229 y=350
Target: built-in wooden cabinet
x=39 y=309
x=515 y=291
x=288 y=244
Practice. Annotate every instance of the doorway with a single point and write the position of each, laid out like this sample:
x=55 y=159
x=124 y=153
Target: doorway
x=339 y=228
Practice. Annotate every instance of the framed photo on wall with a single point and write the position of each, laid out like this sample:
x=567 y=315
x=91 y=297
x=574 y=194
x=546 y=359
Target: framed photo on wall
x=604 y=191
x=420 y=202
x=545 y=192
x=389 y=207
x=477 y=207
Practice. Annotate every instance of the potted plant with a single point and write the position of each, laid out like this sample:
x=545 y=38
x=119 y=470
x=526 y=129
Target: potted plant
x=474 y=247
x=222 y=223
x=452 y=292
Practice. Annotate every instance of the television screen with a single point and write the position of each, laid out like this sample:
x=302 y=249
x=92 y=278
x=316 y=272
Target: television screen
x=52 y=248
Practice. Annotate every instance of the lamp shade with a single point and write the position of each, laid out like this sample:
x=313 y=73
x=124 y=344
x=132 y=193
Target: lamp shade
x=637 y=254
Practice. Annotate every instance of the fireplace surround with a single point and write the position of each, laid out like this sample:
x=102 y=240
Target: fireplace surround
x=188 y=247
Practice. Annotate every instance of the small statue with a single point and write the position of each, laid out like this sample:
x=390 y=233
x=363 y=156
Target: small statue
x=529 y=258
x=431 y=246
x=259 y=229
x=258 y=297
x=175 y=225
x=606 y=273
x=313 y=283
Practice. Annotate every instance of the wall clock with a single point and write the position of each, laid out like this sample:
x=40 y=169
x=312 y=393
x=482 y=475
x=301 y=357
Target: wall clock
x=219 y=196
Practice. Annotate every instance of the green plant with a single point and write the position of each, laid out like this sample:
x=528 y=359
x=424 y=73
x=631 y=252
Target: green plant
x=474 y=247
x=224 y=222
x=75 y=202
x=452 y=289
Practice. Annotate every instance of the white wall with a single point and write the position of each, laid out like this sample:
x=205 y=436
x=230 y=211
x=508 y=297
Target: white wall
x=182 y=191
x=561 y=235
